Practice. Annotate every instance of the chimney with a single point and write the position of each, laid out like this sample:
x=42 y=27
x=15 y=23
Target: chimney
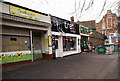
x=72 y=19
x=109 y=12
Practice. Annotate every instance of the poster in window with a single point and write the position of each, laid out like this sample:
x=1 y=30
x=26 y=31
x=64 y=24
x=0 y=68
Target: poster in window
x=50 y=41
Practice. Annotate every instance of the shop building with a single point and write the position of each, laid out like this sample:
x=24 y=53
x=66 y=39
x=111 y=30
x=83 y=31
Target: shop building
x=65 y=37
x=25 y=34
x=84 y=38
x=95 y=38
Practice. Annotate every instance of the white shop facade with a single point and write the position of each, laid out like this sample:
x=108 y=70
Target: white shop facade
x=65 y=37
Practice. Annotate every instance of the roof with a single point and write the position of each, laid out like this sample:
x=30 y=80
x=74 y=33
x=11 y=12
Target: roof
x=90 y=24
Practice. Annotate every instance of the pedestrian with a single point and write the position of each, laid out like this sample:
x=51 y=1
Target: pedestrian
x=90 y=48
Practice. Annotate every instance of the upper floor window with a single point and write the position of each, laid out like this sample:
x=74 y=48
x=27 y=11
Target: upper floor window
x=109 y=23
x=103 y=32
x=115 y=23
x=103 y=25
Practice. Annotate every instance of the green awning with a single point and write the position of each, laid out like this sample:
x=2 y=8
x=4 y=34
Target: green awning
x=90 y=30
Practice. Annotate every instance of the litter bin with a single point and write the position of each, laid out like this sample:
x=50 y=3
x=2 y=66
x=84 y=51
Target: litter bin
x=116 y=47
x=101 y=50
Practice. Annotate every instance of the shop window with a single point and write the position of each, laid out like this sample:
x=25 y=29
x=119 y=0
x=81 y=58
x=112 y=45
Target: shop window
x=69 y=43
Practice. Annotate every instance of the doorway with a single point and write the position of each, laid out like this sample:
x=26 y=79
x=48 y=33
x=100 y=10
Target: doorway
x=37 y=45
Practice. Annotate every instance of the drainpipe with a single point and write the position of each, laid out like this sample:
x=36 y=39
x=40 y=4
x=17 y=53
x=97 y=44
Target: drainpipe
x=31 y=45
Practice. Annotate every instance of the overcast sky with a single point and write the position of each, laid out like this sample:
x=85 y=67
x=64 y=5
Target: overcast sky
x=64 y=8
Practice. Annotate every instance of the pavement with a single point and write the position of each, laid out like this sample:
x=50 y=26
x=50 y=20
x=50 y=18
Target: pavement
x=78 y=66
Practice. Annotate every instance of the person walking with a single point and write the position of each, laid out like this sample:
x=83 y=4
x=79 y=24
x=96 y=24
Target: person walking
x=90 y=47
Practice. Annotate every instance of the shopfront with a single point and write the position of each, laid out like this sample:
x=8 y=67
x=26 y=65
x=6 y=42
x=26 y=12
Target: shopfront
x=24 y=34
x=65 y=37
x=84 y=38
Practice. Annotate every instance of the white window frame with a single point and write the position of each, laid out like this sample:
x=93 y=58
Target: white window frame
x=103 y=23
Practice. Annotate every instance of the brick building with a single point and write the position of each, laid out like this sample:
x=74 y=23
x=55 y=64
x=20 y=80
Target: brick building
x=96 y=39
x=108 y=26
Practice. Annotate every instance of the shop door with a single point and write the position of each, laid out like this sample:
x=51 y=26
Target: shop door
x=84 y=43
x=37 y=47
x=56 y=47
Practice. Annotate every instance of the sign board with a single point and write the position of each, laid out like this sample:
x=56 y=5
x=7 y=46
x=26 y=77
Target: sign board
x=84 y=30
x=50 y=41
x=60 y=25
x=16 y=11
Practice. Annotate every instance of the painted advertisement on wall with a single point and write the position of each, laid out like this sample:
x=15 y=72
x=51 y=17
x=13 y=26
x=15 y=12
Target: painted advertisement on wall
x=37 y=54
x=16 y=11
x=8 y=57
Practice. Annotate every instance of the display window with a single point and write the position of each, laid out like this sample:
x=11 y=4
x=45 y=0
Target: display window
x=69 y=43
x=84 y=43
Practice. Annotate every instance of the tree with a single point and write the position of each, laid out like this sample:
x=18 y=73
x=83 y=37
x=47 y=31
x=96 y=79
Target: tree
x=87 y=5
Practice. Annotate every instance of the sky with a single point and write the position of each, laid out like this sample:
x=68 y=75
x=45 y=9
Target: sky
x=65 y=8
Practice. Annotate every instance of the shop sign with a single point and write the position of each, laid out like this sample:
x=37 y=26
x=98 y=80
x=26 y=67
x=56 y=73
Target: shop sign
x=64 y=26
x=16 y=11
x=84 y=30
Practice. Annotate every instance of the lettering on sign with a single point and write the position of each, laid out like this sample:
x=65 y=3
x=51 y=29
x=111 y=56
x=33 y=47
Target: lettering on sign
x=65 y=26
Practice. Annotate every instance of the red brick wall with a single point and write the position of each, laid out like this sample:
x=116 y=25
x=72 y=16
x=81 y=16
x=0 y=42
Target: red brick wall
x=109 y=20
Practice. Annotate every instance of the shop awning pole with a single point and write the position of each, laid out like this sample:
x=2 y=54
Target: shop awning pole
x=31 y=45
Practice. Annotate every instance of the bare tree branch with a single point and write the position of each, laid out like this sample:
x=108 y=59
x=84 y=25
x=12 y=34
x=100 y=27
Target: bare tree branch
x=90 y=4
x=83 y=6
x=77 y=8
x=102 y=8
x=46 y=1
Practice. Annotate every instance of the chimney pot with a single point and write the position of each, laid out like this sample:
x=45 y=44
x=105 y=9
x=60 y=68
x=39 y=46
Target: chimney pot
x=72 y=19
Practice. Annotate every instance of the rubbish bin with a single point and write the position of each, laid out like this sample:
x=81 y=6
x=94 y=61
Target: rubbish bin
x=101 y=50
x=116 y=47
